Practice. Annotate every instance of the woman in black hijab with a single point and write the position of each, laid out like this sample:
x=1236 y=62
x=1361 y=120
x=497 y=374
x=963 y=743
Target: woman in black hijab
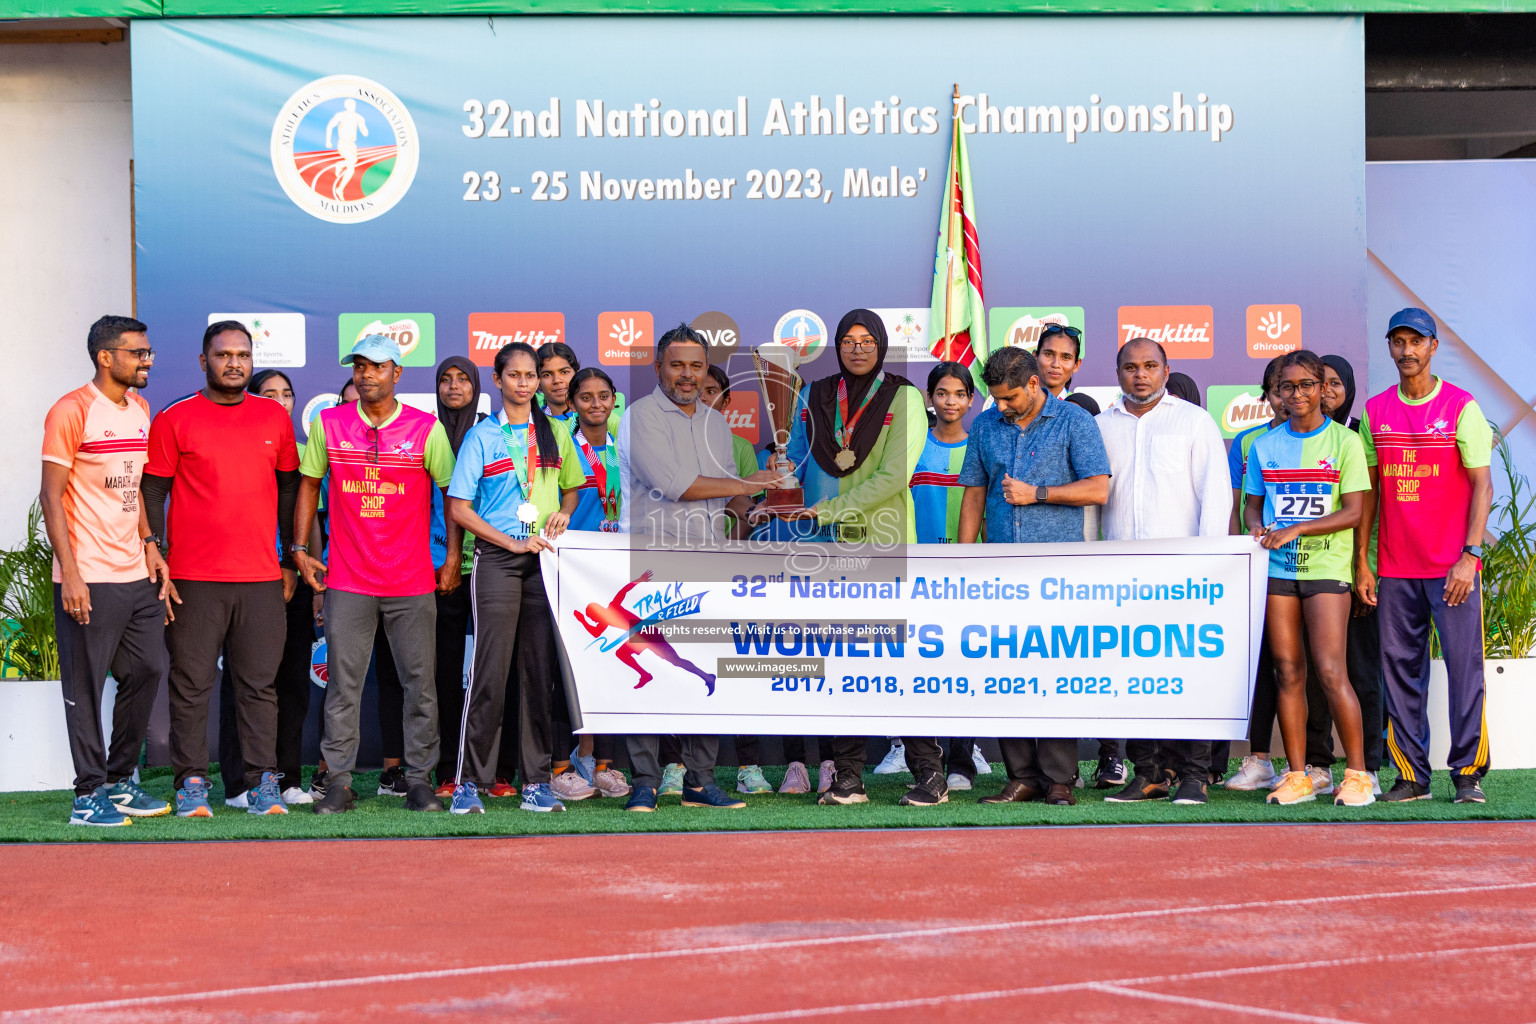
x=1339 y=390
x=1182 y=385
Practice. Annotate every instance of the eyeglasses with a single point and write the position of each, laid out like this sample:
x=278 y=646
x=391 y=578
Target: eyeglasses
x=373 y=451
x=1304 y=387
x=1071 y=332
x=143 y=355
x=850 y=345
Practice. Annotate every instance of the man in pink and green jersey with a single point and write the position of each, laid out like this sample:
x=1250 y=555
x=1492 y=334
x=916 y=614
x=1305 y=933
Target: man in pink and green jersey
x=1428 y=448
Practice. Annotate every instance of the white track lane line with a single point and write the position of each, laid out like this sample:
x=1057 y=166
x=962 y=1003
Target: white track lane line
x=749 y=947
x=1211 y=1004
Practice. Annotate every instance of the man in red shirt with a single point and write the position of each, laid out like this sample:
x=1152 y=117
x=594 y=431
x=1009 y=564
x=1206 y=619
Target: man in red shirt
x=229 y=462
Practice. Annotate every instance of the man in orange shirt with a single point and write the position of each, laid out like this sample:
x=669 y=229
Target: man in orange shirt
x=109 y=585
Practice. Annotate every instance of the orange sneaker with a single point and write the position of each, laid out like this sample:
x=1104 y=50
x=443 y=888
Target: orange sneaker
x=1295 y=788
x=1356 y=790
x=444 y=789
x=501 y=787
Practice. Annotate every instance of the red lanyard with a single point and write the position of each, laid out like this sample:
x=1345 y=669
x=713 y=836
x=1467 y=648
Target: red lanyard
x=601 y=469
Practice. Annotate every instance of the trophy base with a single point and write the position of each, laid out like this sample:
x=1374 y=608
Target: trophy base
x=786 y=499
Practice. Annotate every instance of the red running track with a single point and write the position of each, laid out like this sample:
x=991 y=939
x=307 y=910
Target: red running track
x=1360 y=923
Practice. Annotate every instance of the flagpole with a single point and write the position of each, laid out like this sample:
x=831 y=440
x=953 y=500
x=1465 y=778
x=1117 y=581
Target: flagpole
x=949 y=220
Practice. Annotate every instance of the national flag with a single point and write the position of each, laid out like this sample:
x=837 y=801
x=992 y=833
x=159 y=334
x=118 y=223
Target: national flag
x=958 y=317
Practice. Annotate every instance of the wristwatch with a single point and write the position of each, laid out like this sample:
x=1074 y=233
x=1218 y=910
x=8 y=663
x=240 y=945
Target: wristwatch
x=1475 y=550
x=294 y=549
x=156 y=540
x=1040 y=492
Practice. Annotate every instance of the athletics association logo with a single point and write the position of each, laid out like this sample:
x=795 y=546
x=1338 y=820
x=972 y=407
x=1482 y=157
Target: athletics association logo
x=803 y=331
x=345 y=149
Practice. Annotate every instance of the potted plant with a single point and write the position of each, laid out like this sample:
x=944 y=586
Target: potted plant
x=34 y=744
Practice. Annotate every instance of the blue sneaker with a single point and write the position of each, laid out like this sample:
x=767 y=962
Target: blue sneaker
x=192 y=798
x=466 y=799
x=641 y=798
x=710 y=796
x=266 y=798
x=95 y=808
x=537 y=797
x=586 y=767
x=134 y=802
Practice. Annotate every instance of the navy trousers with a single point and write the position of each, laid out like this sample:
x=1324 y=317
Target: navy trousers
x=1405 y=609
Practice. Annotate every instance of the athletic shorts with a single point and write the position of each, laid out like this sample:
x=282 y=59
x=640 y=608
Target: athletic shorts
x=1306 y=588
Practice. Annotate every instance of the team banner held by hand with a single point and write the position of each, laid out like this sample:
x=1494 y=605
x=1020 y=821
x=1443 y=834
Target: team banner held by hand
x=1152 y=639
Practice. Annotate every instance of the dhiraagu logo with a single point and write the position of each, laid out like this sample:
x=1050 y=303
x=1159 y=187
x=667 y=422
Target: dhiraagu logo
x=1236 y=408
x=1021 y=325
x=415 y=333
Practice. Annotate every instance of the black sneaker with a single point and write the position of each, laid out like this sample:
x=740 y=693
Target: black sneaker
x=847 y=788
x=392 y=782
x=317 y=784
x=1110 y=773
x=421 y=797
x=1467 y=790
x=1191 y=790
x=1405 y=789
x=930 y=791
x=1142 y=788
x=337 y=801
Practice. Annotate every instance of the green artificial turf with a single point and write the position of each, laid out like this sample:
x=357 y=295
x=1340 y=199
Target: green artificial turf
x=43 y=817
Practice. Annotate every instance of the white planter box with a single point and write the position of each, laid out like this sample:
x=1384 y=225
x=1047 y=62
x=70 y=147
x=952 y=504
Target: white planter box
x=1509 y=707
x=34 y=744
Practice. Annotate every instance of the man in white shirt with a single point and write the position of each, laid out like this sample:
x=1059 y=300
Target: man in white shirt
x=678 y=470
x=1168 y=478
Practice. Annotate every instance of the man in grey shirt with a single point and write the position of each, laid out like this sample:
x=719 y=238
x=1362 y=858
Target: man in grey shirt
x=679 y=477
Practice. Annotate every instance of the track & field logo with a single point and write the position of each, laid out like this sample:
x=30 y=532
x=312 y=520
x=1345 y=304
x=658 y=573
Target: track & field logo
x=345 y=149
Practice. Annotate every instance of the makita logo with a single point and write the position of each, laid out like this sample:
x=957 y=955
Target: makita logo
x=482 y=341
x=1167 y=334
x=1184 y=331
x=488 y=332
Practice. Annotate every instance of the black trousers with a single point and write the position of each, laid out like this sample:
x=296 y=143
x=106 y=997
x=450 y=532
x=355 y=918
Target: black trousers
x=958 y=760
x=293 y=686
x=1363 y=661
x=126 y=636
x=1182 y=757
x=924 y=754
x=1040 y=762
x=796 y=748
x=697 y=755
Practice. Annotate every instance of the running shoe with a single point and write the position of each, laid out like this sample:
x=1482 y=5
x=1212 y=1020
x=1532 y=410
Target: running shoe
x=134 y=802
x=570 y=787
x=1192 y=790
x=466 y=800
x=671 y=780
x=1110 y=773
x=643 y=799
x=317 y=785
x=895 y=761
x=1375 y=783
x=826 y=774
x=392 y=781
x=1255 y=772
x=710 y=796
x=796 y=778
x=501 y=788
x=610 y=782
x=1356 y=790
x=930 y=791
x=848 y=788
x=586 y=767
x=266 y=798
x=1467 y=789
x=445 y=789
x=192 y=798
x=537 y=797
x=983 y=766
x=1295 y=788
x=749 y=779
x=1322 y=779
x=96 y=808
x=1406 y=789
x=1142 y=788
x=956 y=781
x=293 y=795
x=240 y=801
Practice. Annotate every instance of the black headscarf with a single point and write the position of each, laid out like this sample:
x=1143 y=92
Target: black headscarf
x=1182 y=385
x=456 y=422
x=822 y=401
x=1346 y=373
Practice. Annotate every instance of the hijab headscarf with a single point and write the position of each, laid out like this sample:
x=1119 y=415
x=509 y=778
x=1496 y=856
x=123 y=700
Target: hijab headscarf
x=456 y=422
x=1182 y=385
x=822 y=401
x=1340 y=366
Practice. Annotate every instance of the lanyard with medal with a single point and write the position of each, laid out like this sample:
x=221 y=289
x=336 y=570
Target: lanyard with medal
x=527 y=512
x=845 y=458
x=606 y=469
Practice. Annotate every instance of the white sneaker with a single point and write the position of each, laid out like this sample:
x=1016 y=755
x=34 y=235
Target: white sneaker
x=957 y=781
x=295 y=795
x=1375 y=784
x=796 y=778
x=1322 y=779
x=569 y=786
x=243 y=801
x=895 y=760
x=983 y=767
x=1256 y=772
x=825 y=776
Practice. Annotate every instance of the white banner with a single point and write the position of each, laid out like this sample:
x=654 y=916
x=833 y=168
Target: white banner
x=1152 y=639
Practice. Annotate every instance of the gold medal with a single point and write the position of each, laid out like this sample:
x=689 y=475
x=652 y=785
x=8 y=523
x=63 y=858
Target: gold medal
x=845 y=459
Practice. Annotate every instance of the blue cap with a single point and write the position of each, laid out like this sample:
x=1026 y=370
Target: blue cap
x=1415 y=319
x=378 y=348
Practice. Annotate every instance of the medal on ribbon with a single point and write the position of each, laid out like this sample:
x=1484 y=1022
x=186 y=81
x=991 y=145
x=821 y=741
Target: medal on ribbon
x=845 y=458
x=605 y=469
x=527 y=512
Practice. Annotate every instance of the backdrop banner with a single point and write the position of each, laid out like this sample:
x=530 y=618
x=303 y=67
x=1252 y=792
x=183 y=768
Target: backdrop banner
x=1153 y=639
x=460 y=183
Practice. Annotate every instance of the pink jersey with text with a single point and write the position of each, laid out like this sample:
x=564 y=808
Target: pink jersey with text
x=1425 y=490
x=380 y=501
